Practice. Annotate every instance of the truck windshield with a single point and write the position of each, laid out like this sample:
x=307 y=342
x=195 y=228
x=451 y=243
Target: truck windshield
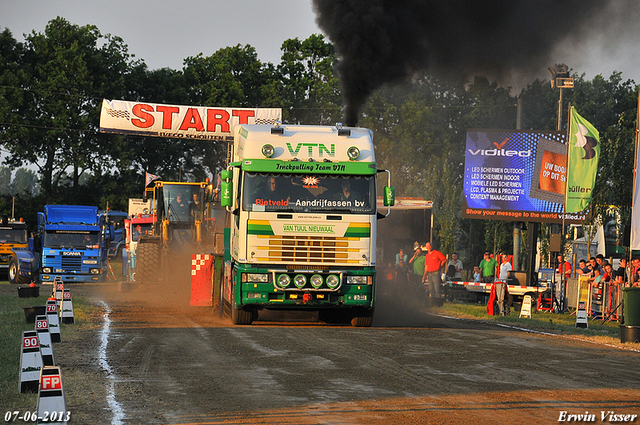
x=70 y=239
x=139 y=230
x=182 y=202
x=309 y=193
x=9 y=235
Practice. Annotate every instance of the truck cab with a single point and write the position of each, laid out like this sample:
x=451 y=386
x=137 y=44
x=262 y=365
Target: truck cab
x=303 y=226
x=69 y=244
x=13 y=234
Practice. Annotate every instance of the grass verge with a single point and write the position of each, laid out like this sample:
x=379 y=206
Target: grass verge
x=555 y=323
x=12 y=324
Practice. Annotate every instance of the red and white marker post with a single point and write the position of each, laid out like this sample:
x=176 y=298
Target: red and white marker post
x=44 y=337
x=30 y=362
x=66 y=309
x=52 y=406
x=54 y=321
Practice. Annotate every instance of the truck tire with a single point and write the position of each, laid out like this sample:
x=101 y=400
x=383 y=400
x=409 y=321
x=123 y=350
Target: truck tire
x=14 y=277
x=148 y=262
x=334 y=316
x=241 y=316
x=362 y=318
x=220 y=304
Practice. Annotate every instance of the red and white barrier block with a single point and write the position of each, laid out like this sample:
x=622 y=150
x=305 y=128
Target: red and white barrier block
x=54 y=321
x=66 y=309
x=30 y=362
x=58 y=287
x=52 y=406
x=44 y=337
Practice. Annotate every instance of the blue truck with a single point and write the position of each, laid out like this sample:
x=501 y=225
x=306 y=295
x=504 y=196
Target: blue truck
x=71 y=242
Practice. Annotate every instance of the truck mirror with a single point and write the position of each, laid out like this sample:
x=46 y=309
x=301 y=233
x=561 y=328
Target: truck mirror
x=389 y=196
x=112 y=232
x=225 y=194
x=226 y=186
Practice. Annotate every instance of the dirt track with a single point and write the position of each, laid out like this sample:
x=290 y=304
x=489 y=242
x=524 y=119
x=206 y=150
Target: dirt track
x=152 y=359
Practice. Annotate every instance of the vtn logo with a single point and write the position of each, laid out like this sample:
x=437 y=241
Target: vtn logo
x=322 y=149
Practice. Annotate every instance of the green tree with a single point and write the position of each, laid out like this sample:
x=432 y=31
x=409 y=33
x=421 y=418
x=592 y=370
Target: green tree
x=24 y=183
x=5 y=176
x=68 y=69
x=11 y=75
x=305 y=86
x=232 y=76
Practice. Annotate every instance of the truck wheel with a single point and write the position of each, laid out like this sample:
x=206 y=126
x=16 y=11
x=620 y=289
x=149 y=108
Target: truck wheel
x=220 y=304
x=334 y=316
x=362 y=318
x=14 y=277
x=148 y=262
x=241 y=317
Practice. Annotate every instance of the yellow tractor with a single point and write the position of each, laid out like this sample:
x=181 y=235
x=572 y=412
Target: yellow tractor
x=182 y=225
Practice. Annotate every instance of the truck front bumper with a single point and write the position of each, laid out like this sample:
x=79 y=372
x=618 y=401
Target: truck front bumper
x=73 y=277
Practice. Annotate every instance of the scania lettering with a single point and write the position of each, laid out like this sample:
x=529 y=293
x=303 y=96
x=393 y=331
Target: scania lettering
x=303 y=211
x=71 y=242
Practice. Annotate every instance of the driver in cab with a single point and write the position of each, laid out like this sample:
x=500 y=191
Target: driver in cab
x=180 y=206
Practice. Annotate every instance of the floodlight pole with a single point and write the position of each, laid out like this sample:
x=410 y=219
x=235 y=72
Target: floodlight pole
x=560 y=111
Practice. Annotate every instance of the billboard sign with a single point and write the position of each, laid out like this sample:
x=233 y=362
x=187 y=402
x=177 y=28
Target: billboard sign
x=178 y=121
x=516 y=176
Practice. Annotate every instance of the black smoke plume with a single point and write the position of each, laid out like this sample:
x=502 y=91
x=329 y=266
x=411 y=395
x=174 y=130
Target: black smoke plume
x=388 y=41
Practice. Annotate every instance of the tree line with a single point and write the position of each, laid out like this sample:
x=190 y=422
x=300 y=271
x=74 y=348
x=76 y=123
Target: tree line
x=52 y=85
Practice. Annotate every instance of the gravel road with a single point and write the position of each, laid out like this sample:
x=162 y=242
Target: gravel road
x=152 y=359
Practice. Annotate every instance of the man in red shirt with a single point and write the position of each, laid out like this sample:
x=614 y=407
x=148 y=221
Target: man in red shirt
x=563 y=266
x=433 y=263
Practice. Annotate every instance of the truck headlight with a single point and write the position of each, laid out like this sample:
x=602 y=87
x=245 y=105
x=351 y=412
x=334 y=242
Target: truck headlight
x=300 y=280
x=359 y=280
x=268 y=150
x=256 y=277
x=333 y=281
x=284 y=280
x=95 y=271
x=46 y=270
x=316 y=281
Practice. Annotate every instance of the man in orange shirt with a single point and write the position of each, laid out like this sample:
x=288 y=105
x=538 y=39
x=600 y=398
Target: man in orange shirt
x=433 y=262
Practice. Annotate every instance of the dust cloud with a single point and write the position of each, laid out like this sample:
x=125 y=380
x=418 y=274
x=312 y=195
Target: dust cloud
x=401 y=305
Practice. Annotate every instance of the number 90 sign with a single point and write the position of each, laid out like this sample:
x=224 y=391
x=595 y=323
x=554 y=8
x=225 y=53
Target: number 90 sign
x=30 y=342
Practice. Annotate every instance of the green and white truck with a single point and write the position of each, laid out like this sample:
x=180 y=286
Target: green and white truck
x=303 y=222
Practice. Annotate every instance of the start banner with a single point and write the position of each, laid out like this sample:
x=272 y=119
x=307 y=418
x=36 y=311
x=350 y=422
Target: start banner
x=178 y=121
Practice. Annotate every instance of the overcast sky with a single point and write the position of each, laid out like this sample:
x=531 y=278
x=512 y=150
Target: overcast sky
x=163 y=33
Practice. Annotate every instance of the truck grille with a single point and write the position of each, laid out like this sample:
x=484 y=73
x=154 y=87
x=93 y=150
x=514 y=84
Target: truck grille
x=307 y=249
x=71 y=263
